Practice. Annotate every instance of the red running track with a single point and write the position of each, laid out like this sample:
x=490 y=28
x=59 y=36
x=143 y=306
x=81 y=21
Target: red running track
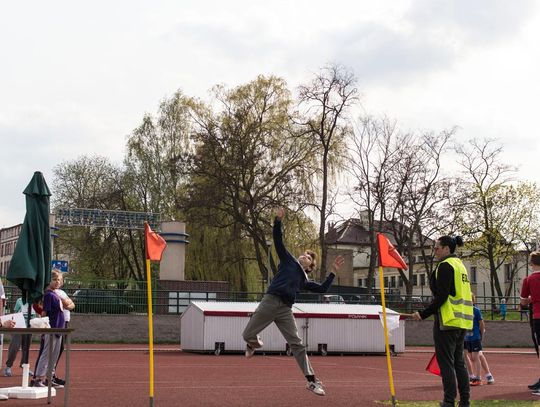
x=117 y=375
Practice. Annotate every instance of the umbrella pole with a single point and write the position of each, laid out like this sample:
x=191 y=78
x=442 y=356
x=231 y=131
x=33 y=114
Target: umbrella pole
x=25 y=339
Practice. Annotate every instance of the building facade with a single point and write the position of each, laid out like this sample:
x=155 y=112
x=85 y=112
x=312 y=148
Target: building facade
x=350 y=239
x=8 y=240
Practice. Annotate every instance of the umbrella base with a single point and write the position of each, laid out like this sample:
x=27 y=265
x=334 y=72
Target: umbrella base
x=19 y=392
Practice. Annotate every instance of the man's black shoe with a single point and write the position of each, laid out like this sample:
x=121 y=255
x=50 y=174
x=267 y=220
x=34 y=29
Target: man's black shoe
x=534 y=386
x=58 y=381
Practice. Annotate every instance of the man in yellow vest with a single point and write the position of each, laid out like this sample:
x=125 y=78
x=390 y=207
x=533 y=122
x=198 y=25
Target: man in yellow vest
x=452 y=308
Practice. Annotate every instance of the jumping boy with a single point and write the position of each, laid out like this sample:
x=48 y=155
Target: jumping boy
x=276 y=305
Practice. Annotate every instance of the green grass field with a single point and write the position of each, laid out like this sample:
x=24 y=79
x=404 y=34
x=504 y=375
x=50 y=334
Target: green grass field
x=474 y=403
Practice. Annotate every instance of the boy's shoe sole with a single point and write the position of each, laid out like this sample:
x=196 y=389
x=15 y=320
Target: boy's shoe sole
x=316 y=388
x=249 y=351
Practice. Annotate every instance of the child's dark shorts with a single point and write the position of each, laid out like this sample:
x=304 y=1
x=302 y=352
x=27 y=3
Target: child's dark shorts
x=473 y=346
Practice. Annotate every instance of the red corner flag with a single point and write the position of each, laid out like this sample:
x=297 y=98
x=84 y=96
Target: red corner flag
x=388 y=255
x=154 y=243
x=433 y=366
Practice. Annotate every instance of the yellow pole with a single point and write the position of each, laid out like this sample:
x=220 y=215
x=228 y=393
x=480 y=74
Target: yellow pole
x=386 y=342
x=150 y=331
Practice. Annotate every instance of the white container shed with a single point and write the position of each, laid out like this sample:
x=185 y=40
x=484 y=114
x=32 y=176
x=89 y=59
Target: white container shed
x=218 y=326
x=324 y=328
x=347 y=328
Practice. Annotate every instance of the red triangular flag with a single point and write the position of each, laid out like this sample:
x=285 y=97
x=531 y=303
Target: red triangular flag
x=388 y=255
x=154 y=243
x=433 y=366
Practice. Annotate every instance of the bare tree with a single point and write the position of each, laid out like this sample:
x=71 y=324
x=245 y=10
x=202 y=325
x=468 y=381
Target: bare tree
x=370 y=154
x=399 y=188
x=418 y=194
x=324 y=103
x=499 y=212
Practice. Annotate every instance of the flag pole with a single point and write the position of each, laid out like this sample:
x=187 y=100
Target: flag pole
x=386 y=342
x=150 y=331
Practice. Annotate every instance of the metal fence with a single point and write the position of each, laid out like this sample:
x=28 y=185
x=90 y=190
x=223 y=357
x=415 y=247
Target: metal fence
x=121 y=297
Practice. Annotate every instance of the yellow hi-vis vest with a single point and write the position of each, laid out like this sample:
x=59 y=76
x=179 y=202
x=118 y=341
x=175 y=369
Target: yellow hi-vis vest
x=457 y=310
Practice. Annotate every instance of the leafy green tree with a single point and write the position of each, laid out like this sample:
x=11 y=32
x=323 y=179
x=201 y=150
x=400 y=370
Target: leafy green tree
x=249 y=159
x=93 y=182
x=157 y=155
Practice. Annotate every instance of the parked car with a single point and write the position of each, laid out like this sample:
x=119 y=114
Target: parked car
x=352 y=299
x=416 y=303
x=100 y=301
x=333 y=299
x=359 y=299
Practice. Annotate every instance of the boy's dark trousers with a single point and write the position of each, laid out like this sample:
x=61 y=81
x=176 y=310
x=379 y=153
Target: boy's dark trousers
x=449 y=351
x=16 y=341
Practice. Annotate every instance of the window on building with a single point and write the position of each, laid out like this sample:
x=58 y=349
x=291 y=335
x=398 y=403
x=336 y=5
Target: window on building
x=393 y=281
x=507 y=273
x=415 y=279
x=473 y=275
x=400 y=281
x=386 y=281
x=422 y=279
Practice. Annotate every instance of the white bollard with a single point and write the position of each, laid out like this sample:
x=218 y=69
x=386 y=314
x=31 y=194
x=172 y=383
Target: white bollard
x=25 y=369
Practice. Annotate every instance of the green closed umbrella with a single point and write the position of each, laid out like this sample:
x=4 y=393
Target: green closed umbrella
x=30 y=266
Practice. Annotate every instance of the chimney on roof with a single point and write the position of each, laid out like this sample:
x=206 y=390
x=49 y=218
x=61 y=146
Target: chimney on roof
x=364 y=217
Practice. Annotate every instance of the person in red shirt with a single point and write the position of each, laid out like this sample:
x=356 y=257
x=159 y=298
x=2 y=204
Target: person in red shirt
x=530 y=294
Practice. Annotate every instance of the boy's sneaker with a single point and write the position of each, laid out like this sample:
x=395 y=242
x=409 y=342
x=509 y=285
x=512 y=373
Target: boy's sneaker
x=476 y=382
x=250 y=347
x=534 y=386
x=316 y=387
x=37 y=383
x=3 y=397
x=58 y=381
x=54 y=384
x=8 y=372
x=536 y=393
x=490 y=379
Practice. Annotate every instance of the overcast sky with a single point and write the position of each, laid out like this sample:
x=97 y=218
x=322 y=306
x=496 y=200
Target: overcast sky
x=76 y=78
